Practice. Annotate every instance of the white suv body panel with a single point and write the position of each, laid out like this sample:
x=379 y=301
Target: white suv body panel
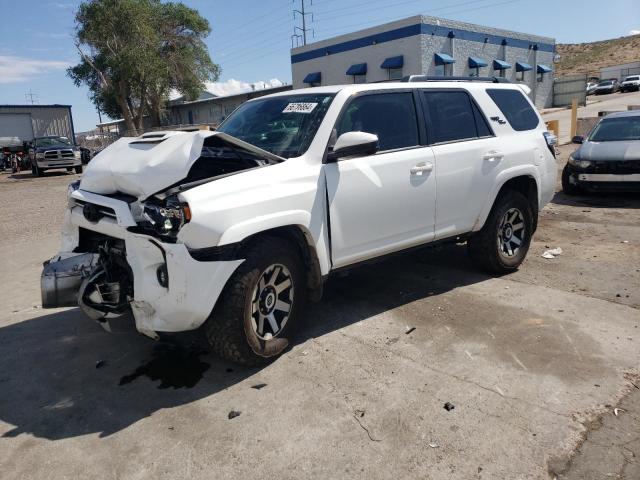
x=348 y=211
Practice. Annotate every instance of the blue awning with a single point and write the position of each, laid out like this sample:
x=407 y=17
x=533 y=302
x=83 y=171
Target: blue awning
x=475 y=62
x=393 y=62
x=501 y=65
x=523 y=67
x=443 y=59
x=314 y=77
x=543 y=68
x=357 y=69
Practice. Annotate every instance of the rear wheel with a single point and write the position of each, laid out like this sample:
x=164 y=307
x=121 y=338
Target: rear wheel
x=502 y=244
x=568 y=187
x=254 y=316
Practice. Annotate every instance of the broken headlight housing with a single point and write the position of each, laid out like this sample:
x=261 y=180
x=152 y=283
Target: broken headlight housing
x=168 y=217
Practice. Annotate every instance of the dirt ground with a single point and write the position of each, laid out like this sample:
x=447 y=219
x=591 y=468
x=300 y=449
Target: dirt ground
x=535 y=364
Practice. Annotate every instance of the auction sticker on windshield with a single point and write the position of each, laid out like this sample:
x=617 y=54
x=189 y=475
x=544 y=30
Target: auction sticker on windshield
x=300 y=107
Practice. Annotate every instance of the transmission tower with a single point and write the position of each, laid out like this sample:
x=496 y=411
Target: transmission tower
x=300 y=32
x=31 y=97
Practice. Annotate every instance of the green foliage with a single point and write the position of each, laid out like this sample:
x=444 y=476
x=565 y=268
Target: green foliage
x=133 y=52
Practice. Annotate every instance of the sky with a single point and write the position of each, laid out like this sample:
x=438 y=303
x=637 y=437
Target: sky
x=251 y=39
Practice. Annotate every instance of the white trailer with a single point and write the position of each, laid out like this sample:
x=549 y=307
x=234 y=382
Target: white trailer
x=20 y=124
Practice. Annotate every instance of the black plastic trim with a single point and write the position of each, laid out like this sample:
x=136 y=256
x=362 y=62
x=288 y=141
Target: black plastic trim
x=220 y=253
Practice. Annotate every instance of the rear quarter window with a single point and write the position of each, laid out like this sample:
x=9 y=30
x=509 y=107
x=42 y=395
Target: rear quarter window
x=515 y=107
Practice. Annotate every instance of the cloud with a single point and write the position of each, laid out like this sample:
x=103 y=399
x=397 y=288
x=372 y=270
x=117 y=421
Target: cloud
x=634 y=32
x=233 y=86
x=19 y=69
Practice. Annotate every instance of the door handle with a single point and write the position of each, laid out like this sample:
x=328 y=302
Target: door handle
x=421 y=167
x=493 y=156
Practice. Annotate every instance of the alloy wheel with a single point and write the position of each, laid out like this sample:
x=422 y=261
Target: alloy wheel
x=511 y=233
x=272 y=301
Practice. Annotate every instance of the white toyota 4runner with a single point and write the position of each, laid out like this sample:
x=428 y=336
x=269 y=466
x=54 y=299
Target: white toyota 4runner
x=232 y=230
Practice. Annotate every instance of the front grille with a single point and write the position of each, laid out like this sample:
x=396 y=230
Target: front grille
x=615 y=167
x=58 y=154
x=102 y=210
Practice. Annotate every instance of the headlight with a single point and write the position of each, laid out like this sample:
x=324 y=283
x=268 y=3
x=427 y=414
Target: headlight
x=77 y=154
x=40 y=155
x=579 y=163
x=169 y=217
x=72 y=187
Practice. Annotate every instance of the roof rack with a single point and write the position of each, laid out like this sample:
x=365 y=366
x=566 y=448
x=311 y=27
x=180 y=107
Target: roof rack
x=431 y=78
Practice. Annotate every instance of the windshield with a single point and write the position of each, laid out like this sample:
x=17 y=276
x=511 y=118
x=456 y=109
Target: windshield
x=605 y=83
x=630 y=79
x=283 y=125
x=617 y=129
x=50 y=141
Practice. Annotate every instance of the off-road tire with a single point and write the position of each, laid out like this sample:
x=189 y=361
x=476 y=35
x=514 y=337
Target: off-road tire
x=229 y=330
x=78 y=169
x=483 y=246
x=568 y=188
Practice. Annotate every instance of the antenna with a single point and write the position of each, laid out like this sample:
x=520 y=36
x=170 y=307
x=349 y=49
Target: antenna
x=300 y=33
x=31 y=97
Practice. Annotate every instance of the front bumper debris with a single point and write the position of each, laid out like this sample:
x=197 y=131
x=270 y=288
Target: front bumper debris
x=62 y=277
x=180 y=299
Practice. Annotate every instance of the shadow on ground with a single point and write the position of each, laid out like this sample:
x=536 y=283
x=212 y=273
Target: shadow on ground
x=61 y=376
x=27 y=175
x=599 y=200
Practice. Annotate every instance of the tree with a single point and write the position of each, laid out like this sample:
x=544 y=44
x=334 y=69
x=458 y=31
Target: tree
x=134 y=52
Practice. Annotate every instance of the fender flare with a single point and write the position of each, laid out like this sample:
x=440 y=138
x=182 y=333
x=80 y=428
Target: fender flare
x=501 y=179
x=297 y=218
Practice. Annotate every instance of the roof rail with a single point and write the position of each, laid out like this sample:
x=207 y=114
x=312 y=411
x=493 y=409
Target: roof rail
x=431 y=78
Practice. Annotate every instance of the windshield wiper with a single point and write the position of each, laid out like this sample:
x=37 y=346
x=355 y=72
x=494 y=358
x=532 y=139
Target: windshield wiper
x=236 y=142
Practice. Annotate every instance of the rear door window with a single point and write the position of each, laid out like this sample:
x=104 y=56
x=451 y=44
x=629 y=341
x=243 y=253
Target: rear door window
x=515 y=107
x=452 y=116
x=391 y=116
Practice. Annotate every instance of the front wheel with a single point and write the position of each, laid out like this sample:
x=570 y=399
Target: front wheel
x=253 y=318
x=503 y=242
x=78 y=169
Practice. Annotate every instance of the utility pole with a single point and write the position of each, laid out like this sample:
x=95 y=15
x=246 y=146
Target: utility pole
x=30 y=97
x=300 y=33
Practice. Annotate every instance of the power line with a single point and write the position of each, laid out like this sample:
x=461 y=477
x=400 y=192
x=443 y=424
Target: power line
x=373 y=22
x=302 y=14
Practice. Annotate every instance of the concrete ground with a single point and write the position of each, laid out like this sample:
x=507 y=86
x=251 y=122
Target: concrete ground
x=534 y=364
x=595 y=103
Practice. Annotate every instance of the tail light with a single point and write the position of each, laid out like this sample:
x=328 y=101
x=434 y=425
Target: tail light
x=551 y=141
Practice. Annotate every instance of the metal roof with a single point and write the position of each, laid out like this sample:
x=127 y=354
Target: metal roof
x=53 y=105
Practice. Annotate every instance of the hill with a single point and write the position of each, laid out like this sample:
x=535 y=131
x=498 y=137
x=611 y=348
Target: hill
x=590 y=57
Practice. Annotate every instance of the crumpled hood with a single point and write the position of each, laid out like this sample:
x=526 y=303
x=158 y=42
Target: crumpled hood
x=142 y=166
x=597 y=151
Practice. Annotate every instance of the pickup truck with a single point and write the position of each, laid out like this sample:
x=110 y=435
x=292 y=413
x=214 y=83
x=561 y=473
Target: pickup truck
x=232 y=231
x=54 y=152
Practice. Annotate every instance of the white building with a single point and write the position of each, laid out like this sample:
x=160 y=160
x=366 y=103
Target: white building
x=428 y=46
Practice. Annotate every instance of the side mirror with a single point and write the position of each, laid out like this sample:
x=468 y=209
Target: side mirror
x=577 y=139
x=351 y=144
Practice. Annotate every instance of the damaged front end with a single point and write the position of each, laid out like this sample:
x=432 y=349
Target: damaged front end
x=100 y=283
x=121 y=237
